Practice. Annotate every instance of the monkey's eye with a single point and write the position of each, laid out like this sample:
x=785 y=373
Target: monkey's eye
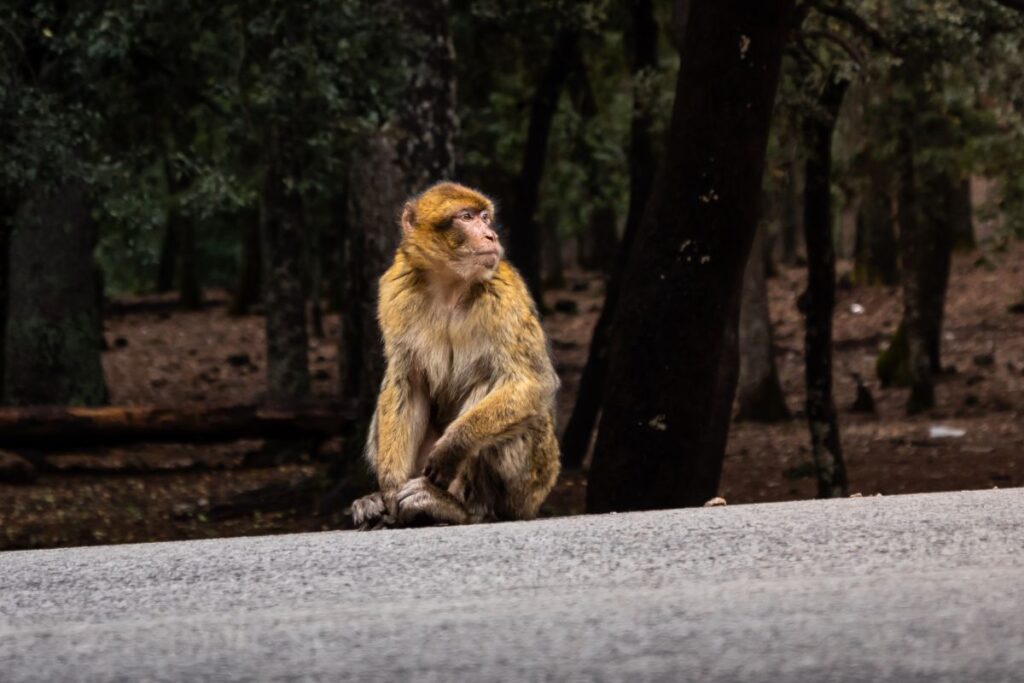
x=465 y=216
x=485 y=217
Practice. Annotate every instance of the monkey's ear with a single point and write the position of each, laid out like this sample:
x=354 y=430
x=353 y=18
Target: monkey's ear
x=408 y=218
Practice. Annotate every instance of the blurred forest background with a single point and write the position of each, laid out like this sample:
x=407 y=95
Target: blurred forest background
x=196 y=200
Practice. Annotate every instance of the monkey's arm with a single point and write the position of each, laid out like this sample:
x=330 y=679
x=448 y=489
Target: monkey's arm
x=498 y=415
x=398 y=428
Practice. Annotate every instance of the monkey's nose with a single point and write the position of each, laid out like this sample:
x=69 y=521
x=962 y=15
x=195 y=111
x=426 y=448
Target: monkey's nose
x=490 y=235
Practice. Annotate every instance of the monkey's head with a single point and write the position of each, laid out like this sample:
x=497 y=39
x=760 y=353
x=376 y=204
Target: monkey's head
x=451 y=227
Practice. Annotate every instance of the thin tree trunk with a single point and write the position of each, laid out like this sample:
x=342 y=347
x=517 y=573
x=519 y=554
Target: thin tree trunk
x=791 y=216
x=960 y=215
x=580 y=428
x=554 y=270
x=52 y=344
x=875 y=246
x=250 y=275
x=820 y=294
x=7 y=215
x=525 y=235
x=284 y=295
x=190 y=292
x=167 y=268
x=915 y=330
x=760 y=396
x=682 y=282
x=315 y=260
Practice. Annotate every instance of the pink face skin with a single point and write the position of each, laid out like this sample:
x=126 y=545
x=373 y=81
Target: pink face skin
x=481 y=240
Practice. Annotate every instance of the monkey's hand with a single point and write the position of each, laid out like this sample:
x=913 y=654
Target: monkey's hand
x=444 y=462
x=421 y=503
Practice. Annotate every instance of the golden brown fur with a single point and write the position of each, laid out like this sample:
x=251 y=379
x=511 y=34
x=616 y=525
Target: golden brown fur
x=464 y=426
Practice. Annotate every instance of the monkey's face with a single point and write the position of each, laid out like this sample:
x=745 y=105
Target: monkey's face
x=472 y=238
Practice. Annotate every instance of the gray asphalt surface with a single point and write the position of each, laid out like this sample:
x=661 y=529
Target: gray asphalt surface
x=908 y=588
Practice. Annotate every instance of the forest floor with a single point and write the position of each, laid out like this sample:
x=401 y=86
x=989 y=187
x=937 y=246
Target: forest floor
x=160 y=356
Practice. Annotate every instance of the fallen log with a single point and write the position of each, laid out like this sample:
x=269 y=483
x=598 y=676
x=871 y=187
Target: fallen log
x=57 y=427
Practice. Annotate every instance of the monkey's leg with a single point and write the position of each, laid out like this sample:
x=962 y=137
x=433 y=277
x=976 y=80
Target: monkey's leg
x=420 y=503
x=510 y=480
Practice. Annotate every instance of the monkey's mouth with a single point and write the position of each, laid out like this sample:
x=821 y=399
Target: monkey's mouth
x=488 y=258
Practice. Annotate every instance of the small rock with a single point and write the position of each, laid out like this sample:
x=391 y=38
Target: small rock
x=856 y=495
x=984 y=360
x=945 y=432
x=715 y=502
x=239 y=360
x=567 y=306
x=856 y=309
x=15 y=469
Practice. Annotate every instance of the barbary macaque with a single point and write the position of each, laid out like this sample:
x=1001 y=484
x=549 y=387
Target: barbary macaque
x=464 y=426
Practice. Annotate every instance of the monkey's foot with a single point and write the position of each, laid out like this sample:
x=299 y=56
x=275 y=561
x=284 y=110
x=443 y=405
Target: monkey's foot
x=370 y=512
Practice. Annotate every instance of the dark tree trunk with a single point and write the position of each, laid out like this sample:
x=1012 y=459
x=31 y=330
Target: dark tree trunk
x=960 y=214
x=167 y=268
x=247 y=291
x=52 y=343
x=190 y=292
x=181 y=236
x=554 y=270
x=580 y=428
x=377 y=189
x=926 y=241
x=598 y=242
x=875 y=246
x=315 y=263
x=940 y=215
x=660 y=443
x=760 y=395
x=820 y=295
x=642 y=44
x=7 y=213
x=525 y=234
x=791 y=216
x=284 y=299
x=428 y=116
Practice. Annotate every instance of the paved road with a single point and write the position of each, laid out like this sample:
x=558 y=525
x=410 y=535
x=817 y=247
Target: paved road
x=908 y=588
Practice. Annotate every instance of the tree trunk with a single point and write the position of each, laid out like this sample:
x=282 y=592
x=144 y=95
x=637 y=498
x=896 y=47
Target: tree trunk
x=7 y=214
x=52 y=344
x=553 y=269
x=960 y=215
x=247 y=291
x=314 y=258
x=284 y=295
x=760 y=396
x=377 y=189
x=167 y=268
x=55 y=427
x=181 y=235
x=428 y=116
x=190 y=292
x=598 y=242
x=820 y=294
x=525 y=234
x=654 y=447
x=875 y=247
x=580 y=428
x=791 y=216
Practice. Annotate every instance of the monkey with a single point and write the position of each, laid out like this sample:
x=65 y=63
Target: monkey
x=463 y=431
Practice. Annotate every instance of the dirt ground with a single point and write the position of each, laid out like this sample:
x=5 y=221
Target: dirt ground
x=158 y=356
